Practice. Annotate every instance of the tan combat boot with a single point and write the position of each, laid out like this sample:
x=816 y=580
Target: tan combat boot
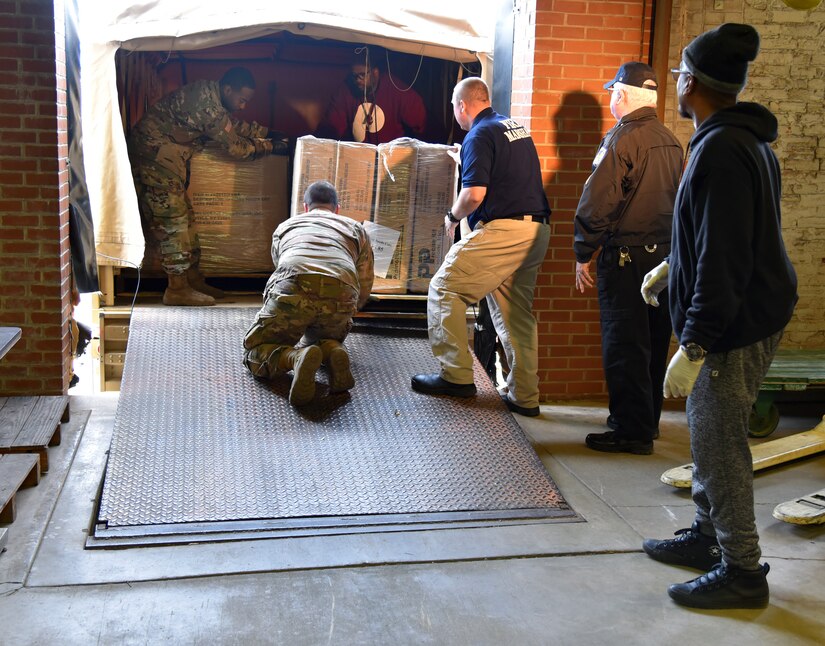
x=180 y=293
x=198 y=283
x=336 y=360
x=304 y=363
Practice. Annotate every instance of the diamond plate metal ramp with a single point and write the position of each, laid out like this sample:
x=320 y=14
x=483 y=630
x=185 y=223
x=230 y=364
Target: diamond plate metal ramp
x=202 y=451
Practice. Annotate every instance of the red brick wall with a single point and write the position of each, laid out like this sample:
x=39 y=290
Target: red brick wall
x=34 y=223
x=565 y=51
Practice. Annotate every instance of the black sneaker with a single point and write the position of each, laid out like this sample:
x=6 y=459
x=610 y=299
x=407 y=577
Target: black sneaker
x=690 y=548
x=724 y=588
x=612 y=442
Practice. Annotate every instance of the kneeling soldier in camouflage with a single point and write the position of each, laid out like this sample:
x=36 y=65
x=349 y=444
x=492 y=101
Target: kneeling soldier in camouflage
x=323 y=275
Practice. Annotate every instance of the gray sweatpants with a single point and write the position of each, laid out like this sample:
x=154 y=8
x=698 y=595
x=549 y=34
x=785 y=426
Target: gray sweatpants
x=718 y=410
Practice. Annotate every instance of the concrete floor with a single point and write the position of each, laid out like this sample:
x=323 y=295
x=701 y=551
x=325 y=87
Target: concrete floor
x=563 y=583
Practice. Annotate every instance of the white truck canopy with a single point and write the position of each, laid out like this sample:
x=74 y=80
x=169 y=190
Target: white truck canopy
x=458 y=31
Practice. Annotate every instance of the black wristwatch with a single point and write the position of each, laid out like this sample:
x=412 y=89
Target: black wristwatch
x=452 y=218
x=694 y=351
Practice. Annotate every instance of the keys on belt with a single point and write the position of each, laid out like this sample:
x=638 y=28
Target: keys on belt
x=624 y=253
x=624 y=256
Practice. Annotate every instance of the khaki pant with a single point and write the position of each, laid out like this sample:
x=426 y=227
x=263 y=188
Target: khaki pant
x=500 y=260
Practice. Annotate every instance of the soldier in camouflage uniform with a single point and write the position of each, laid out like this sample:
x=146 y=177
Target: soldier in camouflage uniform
x=161 y=145
x=323 y=275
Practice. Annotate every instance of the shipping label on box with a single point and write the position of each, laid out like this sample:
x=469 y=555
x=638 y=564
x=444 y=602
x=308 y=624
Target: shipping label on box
x=384 y=242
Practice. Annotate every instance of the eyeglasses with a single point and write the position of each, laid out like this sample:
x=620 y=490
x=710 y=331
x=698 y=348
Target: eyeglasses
x=675 y=72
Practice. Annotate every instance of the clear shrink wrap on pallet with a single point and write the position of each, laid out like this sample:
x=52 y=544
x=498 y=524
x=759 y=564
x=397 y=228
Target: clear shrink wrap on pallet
x=237 y=205
x=401 y=190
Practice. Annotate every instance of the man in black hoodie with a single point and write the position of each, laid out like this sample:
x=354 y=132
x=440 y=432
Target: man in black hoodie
x=732 y=292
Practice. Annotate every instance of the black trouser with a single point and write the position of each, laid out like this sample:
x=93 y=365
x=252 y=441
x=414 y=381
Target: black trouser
x=635 y=340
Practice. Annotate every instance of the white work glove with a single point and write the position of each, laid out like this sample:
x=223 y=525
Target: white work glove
x=654 y=282
x=681 y=375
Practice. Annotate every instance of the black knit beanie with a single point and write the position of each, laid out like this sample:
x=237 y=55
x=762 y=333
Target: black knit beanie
x=719 y=58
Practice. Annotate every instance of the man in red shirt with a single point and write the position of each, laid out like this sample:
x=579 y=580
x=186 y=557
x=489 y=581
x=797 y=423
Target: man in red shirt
x=373 y=107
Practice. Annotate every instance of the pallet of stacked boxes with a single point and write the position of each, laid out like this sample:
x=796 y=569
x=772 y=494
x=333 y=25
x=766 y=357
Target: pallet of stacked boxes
x=400 y=191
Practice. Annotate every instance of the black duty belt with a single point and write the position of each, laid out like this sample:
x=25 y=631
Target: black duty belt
x=529 y=218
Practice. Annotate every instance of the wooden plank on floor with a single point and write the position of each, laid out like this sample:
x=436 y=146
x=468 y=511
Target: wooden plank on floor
x=16 y=472
x=13 y=415
x=42 y=428
x=32 y=425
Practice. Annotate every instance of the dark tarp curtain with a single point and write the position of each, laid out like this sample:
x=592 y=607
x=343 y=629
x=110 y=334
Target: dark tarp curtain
x=81 y=225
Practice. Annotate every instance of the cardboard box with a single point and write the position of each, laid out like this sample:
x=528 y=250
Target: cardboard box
x=436 y=182
x=238 y=204
x=355 y=179
x=315 y=159
x=394 y=209
x=350 y=167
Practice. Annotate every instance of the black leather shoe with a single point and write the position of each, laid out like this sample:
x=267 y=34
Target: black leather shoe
x=612 y=442
x=535 y=411
x=435 y=385
x=613 y=424
x=690 y=548
x=724 y=588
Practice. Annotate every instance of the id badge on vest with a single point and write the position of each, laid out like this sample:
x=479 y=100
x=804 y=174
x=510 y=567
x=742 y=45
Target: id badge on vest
x=599 y=156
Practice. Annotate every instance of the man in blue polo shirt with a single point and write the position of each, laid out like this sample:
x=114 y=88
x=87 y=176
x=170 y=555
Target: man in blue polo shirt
x=503 y=199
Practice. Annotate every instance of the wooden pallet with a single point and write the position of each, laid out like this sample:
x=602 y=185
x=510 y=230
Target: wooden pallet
x=807 y=510
x=765 y=455
x=32 y=425
x=16 y=472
